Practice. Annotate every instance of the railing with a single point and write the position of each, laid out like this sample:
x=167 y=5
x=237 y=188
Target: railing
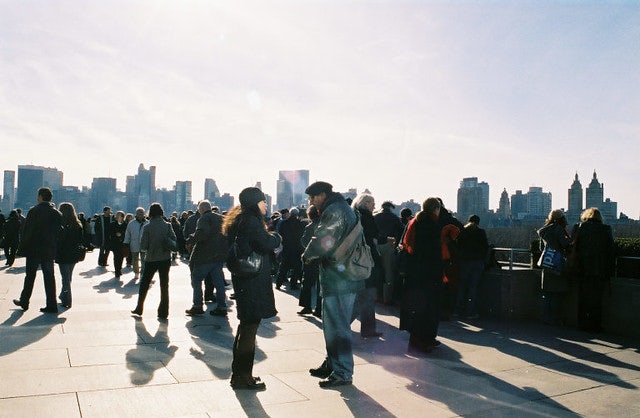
x=521 y=258
x=637 y=259
x=513 y=257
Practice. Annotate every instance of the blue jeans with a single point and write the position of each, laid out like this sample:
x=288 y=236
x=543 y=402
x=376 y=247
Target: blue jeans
x=336 y=326
x=198 y=273
x=66 y=270
x=46 y=265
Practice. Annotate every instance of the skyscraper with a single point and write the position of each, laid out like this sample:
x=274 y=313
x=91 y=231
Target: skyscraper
x=574 y=207
x=31 y=178
x=595 y=193
x=8 y=191
x=473 y=198
x=183 y=196
x=290 y=188
x=103 y=191
x=538 y=203
x=211 y=191
x=504 y=207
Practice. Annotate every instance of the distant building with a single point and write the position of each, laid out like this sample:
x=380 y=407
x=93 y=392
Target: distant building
x=103 y=192
x=504 y=207
x=290 y=188
x=141 y=188
x=538 y=203
x=609 y=211
x=518 y=205
x=211 y=191
x=183 y=196
x=224 y=202
x=473 y=198
x=9 y=191
x=595 y=193
x=574 y=207
x=30 y=179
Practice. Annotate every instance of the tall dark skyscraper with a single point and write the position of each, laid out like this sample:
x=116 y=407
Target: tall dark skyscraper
x=30 y=179
x=473 y=198
x=290 y=188
x=103 y=191
x=595 y=193
x=574 y=207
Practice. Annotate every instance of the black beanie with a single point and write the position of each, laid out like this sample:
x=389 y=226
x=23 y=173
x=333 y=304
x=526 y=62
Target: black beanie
x=251 y=196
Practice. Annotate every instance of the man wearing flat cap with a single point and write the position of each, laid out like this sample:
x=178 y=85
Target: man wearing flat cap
x=337 y=219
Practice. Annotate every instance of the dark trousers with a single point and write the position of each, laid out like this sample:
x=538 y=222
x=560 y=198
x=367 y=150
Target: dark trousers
x=46 y=265
x=103 y=255
x=244 y=350
x=117 y=260
x=10 y=253
x=590 y=303
x=310 y=280
x=290 y=262
x=150 y=268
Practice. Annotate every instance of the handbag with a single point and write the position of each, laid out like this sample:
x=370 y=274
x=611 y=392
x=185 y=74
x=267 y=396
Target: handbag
x=552 y=259
x=353 y=255
x=243 y=265
x=79 y=252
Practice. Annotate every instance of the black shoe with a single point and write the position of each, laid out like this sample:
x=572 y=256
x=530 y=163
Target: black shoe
x=317 y=314
x=49 y=309
x=321 y=372
x=137 y=311
x=333 y=381
x=278 y=286
x=209 y=298
x=305 y=311
x=194 y=311
x=371 y=334
x=17 y=302
x=218 y=312
x=253 y=384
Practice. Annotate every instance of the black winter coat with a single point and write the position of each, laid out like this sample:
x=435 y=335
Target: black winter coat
x=594 y=250
x=39 y=238
x=254 y=295
x=69 y=239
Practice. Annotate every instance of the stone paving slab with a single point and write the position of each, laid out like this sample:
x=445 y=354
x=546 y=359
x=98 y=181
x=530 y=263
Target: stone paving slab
x=96 y=360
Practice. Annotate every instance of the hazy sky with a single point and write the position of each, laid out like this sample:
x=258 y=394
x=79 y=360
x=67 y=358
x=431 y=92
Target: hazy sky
x=404 y=98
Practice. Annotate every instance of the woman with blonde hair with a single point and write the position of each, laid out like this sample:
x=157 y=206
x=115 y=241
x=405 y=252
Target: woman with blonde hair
x=554 y=284
x=69 y=249
x=593 y=246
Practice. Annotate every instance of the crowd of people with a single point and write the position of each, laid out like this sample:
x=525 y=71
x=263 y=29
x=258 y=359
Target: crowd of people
x=429 y=264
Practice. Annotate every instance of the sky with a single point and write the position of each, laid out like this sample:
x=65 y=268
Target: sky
x=404 y=98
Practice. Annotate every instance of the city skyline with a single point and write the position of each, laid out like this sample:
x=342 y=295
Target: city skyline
x=404 y=98
x=145 y=179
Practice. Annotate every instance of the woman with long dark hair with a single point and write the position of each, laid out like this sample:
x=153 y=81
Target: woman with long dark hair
x=67 y=255
x=254 y=295
x=420 y=314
